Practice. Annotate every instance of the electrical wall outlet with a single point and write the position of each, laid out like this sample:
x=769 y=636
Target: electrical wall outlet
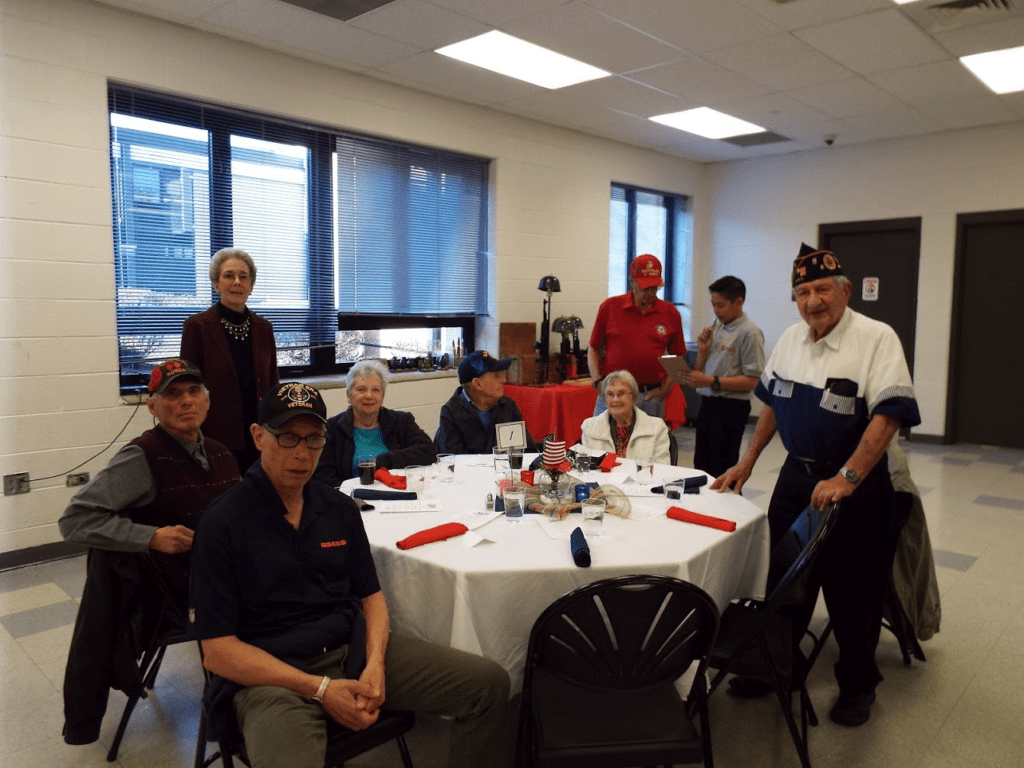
x=77 y=478
x=16 y=483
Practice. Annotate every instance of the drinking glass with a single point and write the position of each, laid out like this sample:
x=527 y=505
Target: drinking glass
x=593 y=517
x=515 y=504
x=415 y=478
x=515 y=458
x=367 y=466
x=446 y=467
x=501 y=460
x=645 y=471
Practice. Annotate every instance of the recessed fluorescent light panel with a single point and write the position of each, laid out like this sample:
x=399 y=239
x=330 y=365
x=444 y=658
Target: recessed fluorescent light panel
x=707 y=122
x=1002 y=71
x=517 y=58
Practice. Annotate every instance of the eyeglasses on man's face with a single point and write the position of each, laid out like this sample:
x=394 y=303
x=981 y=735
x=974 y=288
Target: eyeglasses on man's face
x=290 y=439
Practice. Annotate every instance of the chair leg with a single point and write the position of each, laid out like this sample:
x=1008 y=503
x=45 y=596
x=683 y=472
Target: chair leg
x=403 y=749
x=147 y=670
x=122 y=726
x=786 y=702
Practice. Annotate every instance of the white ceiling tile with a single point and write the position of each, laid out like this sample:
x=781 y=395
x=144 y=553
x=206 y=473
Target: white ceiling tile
x=440 y=74
x=577 y=30
x=981 y=38
x=780 y=62
x=774 y=111
x=845 y=98
x=693 y=25
x=498 y=12
x=931 y=82
x=700 y=81
x=985 y=110
x=419 y=23
x=906 y=121
x=874 y=42
x=179 y=10
x=809 y=14
x=626 y=96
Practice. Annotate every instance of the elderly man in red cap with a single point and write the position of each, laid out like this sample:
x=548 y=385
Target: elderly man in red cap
x=632 y=331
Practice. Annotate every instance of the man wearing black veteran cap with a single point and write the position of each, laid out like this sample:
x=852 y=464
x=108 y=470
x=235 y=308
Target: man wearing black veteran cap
x=837 y=389
x=286 y=603
x=469 y=416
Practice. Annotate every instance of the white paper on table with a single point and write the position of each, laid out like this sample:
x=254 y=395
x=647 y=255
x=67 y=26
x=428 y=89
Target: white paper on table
x=471 y=539
x=475 y=473
x=633 y=489
x=647 y=509
x=557 y=529
x=474 y=520
x=410 y=505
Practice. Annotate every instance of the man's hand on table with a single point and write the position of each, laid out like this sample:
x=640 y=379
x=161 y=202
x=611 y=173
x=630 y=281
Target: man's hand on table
x=734 y=478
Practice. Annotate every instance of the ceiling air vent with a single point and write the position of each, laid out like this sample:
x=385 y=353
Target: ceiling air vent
x=958 y=14
x=757 y=139
x=343 y=10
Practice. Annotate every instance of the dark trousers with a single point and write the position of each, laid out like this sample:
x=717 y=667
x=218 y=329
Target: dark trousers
x=720 y=428
x=851 y=568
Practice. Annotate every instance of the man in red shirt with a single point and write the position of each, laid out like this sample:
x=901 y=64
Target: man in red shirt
x=632 y=331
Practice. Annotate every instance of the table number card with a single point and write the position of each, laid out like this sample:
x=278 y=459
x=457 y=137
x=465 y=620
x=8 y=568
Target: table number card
x=512 y=434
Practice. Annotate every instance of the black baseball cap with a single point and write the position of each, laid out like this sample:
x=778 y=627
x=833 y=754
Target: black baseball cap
x=288 y=400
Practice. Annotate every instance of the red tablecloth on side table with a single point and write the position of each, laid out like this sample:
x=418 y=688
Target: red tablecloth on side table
x=561 y=408
x=558 y=408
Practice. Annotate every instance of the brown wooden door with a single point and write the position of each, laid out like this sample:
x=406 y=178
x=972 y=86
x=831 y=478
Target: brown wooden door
x=888 y=251
x=985 y=397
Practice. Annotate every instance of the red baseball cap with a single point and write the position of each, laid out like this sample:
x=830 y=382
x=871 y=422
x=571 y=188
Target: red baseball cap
x=647 y=271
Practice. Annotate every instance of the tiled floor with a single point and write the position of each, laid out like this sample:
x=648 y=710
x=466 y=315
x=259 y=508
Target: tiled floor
x=963 y=707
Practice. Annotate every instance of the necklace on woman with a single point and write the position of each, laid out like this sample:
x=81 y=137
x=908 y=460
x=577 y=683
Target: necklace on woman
x=237 y=331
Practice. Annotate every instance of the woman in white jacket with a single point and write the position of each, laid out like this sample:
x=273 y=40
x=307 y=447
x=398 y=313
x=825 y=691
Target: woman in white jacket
x=624 y=429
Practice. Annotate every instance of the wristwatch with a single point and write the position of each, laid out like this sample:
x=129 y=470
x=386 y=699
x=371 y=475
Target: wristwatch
x=850 y=476
x=716 y=385
x=318 y=697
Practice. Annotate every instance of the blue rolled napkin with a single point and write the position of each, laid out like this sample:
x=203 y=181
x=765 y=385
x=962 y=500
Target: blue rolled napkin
x=371 y=494
x=579 y=548
x=690 y=484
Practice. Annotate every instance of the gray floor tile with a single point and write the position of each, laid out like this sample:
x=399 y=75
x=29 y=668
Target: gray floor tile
x=954 y=560
x=37 y=620
x=999 y=501
x=22 y=578
x=956 y=461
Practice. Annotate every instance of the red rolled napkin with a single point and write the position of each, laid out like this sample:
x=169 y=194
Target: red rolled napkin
x=610 y=460
x=678 y=513
x=391 y=481
x=437 y=533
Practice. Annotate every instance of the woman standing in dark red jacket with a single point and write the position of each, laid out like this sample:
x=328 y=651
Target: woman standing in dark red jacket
x=235 y=350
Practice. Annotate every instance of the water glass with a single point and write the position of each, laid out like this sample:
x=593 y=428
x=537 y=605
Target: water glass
x=674 y=492
x=367 y=466
x=446 y=467
x=584 y=462
x=644 y=471
x=415 y=478
x=515 y=505
x=593 y=517
x=501 y=460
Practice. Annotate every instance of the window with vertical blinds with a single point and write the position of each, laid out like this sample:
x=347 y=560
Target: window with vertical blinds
x=645 y=221
x=363 y=247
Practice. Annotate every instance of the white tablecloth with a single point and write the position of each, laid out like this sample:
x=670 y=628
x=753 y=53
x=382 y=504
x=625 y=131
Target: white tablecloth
x=485 y=598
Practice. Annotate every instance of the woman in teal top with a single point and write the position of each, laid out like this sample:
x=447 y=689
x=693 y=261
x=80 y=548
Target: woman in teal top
x=367 y=428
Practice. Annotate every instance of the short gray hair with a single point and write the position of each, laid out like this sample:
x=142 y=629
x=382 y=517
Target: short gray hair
x=625 y=376
x=230 y=253
x=364 y=369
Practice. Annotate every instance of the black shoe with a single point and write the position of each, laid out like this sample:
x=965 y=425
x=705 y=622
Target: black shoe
x=749 y=687
x=852 y=709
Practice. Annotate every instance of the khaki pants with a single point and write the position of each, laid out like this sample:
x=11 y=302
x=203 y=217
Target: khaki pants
x=282 y=728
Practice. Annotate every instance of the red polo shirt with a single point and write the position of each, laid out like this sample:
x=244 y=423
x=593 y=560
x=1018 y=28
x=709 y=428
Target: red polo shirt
x=634 y=341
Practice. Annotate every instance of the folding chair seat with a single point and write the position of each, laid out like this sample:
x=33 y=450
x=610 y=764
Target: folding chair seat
x=755 y=639
x=599 y=683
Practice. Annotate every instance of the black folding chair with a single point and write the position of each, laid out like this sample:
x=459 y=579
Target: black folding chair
x=599 y=684
x=756 y=640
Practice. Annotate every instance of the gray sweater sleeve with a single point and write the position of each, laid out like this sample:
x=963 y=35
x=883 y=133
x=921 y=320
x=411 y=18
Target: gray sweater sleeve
x=92 y=516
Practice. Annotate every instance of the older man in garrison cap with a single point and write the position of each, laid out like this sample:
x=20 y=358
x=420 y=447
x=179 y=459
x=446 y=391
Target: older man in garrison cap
x=468 y=418
x=836 y=389
x=632 y=331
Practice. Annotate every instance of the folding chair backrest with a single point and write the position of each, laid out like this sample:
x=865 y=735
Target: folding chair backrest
x=626 y=633
x=793 y=556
